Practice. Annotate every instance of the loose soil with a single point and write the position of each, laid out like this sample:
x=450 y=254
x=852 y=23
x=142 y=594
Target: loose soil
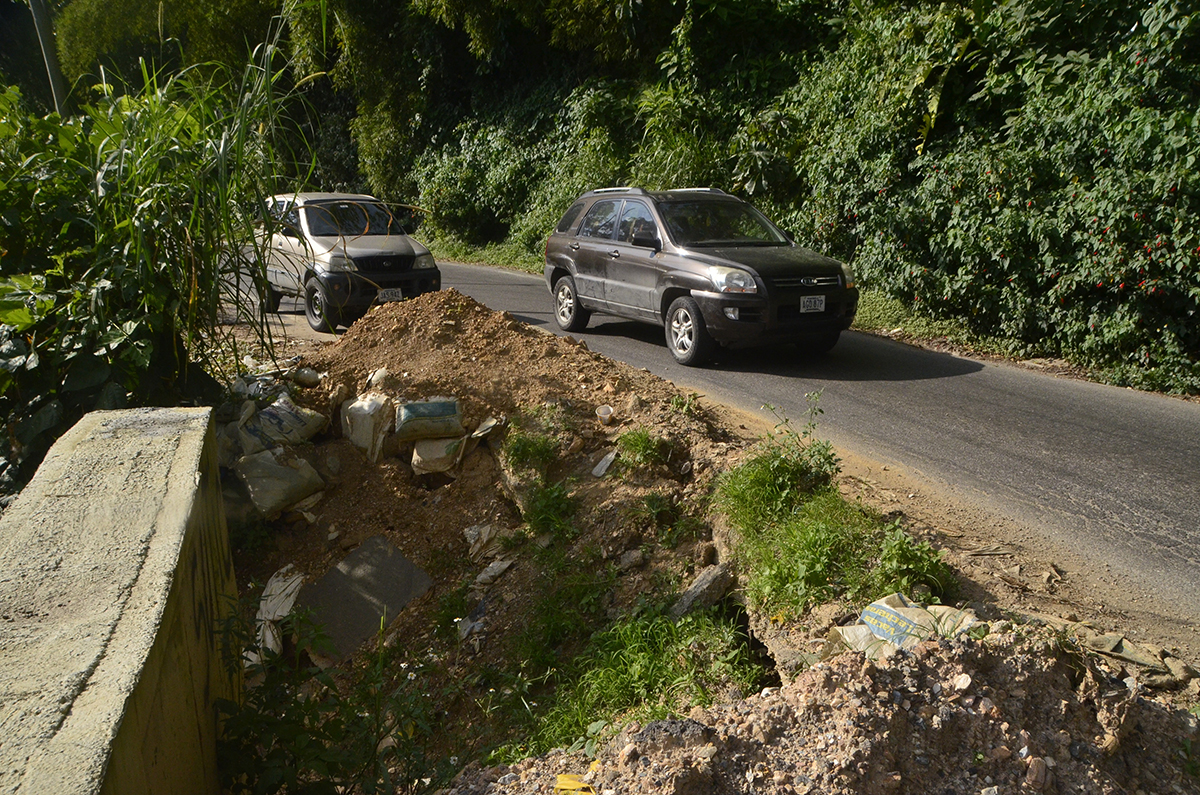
x=1032 y=713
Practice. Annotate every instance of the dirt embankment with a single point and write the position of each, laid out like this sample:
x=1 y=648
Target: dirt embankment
x=1020 y=707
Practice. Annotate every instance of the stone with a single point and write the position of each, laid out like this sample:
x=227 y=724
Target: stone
x=709 y=587
x=1037 y=774
x=631 y=559
x=372 y=584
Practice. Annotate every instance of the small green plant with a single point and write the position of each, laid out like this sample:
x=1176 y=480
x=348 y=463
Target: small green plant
x=452 y=606
x=905 y=564
x=638 y=448
x=646 y=667
x=659 y=509
x=549 y=509
x=530 y=451
x=1191 y=764
x=788 y=468
x=687 y=404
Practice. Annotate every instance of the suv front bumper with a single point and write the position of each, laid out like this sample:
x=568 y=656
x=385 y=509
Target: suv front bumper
x=762 y=320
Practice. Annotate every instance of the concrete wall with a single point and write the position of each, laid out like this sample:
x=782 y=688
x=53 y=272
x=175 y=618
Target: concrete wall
x=115 y=575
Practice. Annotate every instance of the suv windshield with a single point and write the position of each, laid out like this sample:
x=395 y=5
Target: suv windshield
x=350 y=219
x=719 y=223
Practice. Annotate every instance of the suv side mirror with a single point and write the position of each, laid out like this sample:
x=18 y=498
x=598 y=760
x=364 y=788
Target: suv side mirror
x=647 y=240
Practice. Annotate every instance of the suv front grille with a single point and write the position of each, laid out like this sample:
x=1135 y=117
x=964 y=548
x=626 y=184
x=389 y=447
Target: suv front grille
x=802 y=282
x=385 y=263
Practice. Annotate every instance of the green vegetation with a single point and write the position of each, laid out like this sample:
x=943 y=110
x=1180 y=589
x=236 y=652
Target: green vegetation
x=1025 y=170
x=639 y=449
x=801 y=543
x=300 y=731
x=645 y=668
x=527 y=450
x=549 y=509
x=117 y=246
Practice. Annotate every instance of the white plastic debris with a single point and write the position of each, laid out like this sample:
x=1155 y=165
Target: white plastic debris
x=896 y=622
x=605 y=463
x=276 y=604
x=366 y=421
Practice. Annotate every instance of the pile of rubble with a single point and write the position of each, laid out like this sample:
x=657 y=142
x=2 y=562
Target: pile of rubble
x=1015 y=709
x=401 y=417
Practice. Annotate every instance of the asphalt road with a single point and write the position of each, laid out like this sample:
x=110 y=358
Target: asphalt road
x=1110 y=474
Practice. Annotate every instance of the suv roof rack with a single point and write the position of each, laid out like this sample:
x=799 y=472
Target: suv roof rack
x=696 y=190
x=626 y=189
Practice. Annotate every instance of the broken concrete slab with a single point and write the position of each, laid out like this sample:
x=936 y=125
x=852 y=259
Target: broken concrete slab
x=371 y=584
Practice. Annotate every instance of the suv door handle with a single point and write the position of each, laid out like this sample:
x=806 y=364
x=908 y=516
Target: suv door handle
x=573 y=246
x=615 y=253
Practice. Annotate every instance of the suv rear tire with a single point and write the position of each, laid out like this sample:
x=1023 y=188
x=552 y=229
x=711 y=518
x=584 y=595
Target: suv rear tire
x=320 y=315
x=568 y=313
x=687 y=337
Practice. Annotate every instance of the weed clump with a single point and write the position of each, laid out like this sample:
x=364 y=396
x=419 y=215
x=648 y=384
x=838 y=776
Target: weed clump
x=802 y=543
x=638 y=448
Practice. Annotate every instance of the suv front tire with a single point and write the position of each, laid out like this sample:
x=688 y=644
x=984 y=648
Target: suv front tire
x=687 y=337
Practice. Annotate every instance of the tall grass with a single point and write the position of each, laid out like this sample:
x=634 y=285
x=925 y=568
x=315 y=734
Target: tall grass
x=129 y=239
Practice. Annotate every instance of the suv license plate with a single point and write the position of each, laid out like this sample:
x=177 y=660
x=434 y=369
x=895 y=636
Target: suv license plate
x=396 y=294
x=812 y=303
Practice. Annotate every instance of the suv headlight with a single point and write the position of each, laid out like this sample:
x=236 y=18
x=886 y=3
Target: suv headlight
x=339 y=263
x=424 y=262
x=732 y=280
x=848 y=274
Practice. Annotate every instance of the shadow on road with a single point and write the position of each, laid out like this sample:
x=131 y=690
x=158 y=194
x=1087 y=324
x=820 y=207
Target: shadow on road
x=857 y=357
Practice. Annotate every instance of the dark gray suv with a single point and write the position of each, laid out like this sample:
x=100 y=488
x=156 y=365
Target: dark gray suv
x=706 y=266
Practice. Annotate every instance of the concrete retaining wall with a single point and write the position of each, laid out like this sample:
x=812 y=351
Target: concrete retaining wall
x=115 y=576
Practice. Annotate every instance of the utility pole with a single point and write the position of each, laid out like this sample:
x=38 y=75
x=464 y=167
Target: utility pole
x=45 y=33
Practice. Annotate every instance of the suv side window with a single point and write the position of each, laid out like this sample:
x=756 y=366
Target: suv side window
x=635 y=220
x=601 y=220
x=569 y=218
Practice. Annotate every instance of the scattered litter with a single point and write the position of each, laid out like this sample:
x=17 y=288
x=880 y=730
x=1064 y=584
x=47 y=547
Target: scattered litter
x=275 y=605
x=569 y=782
x=306 y=377
x=273 y=486
x=605 y=463
x=897 y=622
x=992 y=550
x=283 y=422
x=431 y=456
x=604 y=414
x=492 y=573
x=378 y=379
x=437 y=455
x=366 y=421
x=484 y=540
x=429 y=419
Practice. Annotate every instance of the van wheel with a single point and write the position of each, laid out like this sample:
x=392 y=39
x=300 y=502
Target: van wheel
x=568 y=313
x=317 y=310
x=687 y=337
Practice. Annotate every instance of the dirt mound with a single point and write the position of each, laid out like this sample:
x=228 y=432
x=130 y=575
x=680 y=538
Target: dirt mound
x=1017 y=711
